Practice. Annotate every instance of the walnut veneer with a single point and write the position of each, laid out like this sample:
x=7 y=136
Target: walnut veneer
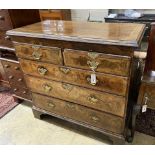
x=59 y=58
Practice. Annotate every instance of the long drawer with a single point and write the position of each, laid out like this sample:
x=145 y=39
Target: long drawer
x=80 y=113
x=105 y=82
x=95 y=99
x=106 y=63
x=39 y=53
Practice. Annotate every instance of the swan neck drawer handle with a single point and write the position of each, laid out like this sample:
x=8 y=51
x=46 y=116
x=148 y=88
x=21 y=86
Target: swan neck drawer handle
x=92 y=99
x=36 y=55
x=64 y=70
x=47 y=88
x=42 y=70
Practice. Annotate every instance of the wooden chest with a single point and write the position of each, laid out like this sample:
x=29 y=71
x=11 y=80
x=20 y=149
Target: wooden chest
x=79 y=71
x=9 y=19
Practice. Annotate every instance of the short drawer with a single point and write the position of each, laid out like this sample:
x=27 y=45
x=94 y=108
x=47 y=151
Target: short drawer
x=5 y=21
x=105 y=82
x=21 y=92
x=39 y=53
x=95 y=99
x=79 y=113
x=106 y=63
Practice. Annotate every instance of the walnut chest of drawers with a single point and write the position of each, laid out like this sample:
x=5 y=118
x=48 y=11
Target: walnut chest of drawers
x=79 y=71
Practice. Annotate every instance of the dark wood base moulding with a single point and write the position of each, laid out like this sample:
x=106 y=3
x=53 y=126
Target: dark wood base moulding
x=116 y=139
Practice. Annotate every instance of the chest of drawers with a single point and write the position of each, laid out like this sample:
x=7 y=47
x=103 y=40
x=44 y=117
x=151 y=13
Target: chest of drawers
x=9 y=19
x=80 y=72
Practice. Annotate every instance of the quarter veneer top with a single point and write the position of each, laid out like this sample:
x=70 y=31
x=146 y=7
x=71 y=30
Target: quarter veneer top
x=124 y=34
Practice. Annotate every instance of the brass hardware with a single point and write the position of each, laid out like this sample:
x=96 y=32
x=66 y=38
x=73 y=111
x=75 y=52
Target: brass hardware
x=2 y=18
x=67 y=86
x=92 y=99
x=10 y=77
x=36 y=55
x=6 y=66
x=20 y=79
x=24 y=92
x=89 y=80
x=15 y=89
x=94 y=118
x=71 y=106
x=93 y=55
x=42 y=70
x=146 y=99
x=51 y=104
x=16 y=68
x=7 y=38
x=93 y=64
x=64 y=70
x=47 y=88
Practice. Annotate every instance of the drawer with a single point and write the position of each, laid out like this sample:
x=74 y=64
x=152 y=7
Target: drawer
x=5 y=21
x=149 y=96
x=13 y=73
x=21 y=92
x=105 y=82
x=106 y=63
x=79 y=113
x=95 y=99
x=39 y=53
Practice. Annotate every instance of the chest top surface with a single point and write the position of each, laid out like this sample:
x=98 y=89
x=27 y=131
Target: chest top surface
x=124 y=34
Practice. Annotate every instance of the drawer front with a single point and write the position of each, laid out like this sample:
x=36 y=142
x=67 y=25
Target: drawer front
x=105 y=82
x=14 y=73
x=5 y=21
x=100 y=62
x=21 y=92
x=149 y=96
x=95 y=99
x=39 y=53
x=79 y=113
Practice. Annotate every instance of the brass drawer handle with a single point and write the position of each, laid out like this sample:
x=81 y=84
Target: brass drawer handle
x=2 y=18
x=64 y=70
x=92 y=99
x=7 y=38
x=16 y=68
x=95 y=118
x=46 y=88
x=36 y=55
x=89 y=80
x=11 y=77
x=24 y=92
x=93 y=55
x=6 y=66
x=15 y=89
x=67 y=86
x=93 y=64
x=51 y=104
x=42 y=70
x=20 y=79
x=70 y=105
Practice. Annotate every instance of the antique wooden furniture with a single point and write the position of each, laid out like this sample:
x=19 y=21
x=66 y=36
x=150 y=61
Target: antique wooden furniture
x=10 y=76
x=150 y=59
x=80 y=71
x=146 y=120
x=55 y=14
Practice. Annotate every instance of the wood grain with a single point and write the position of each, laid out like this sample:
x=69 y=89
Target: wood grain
x=111 y=64
x=39 y=53
x=80 y=113
x=105 y=82
x=125 y=34
x=95 y=99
